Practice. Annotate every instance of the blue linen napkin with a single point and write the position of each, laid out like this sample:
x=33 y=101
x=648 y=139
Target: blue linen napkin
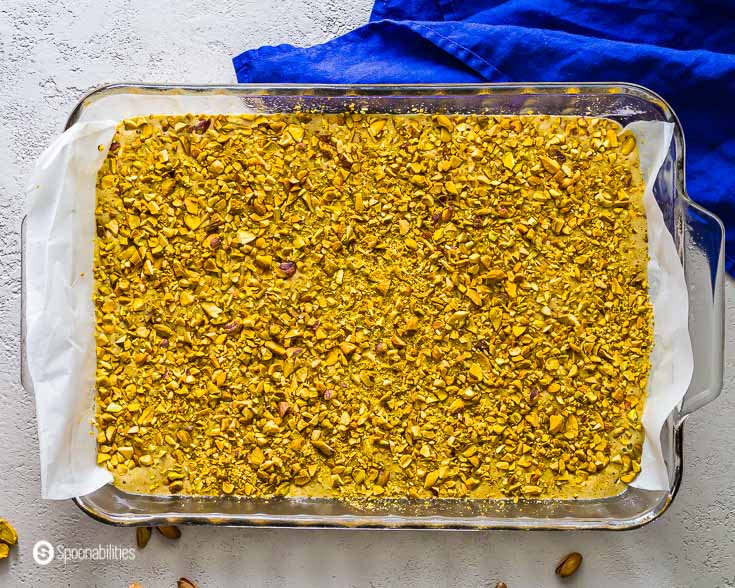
x=684 y=50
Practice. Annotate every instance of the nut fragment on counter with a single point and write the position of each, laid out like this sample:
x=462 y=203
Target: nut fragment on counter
x=364 y=305
x=8 y=533
x=8 y=538
x=569 y=564
x=169 y=531
x=142 y=536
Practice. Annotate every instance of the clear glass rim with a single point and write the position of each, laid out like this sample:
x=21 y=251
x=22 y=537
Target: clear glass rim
x=336 y=90
x=400 y=522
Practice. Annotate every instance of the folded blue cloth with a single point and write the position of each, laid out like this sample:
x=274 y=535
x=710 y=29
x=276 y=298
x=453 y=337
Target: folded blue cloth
x=684 y=50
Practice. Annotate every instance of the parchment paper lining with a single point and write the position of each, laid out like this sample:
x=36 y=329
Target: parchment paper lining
x=60 y=231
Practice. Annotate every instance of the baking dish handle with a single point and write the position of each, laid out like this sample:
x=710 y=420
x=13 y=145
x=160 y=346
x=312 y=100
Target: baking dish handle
x=703 y=253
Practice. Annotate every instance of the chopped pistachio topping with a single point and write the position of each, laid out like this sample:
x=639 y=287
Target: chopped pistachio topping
x=364 y=305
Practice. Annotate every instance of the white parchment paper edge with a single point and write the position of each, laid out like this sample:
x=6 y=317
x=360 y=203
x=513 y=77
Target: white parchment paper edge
x=672 y=359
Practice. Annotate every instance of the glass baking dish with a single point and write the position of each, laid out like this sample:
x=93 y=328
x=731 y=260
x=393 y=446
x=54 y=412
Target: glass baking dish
x=698 y=234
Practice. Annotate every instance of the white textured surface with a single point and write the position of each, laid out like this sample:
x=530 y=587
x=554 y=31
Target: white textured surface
x=52 y=52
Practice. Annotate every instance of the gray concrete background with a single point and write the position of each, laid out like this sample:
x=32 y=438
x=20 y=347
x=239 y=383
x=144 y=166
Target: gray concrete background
x=51 y=53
